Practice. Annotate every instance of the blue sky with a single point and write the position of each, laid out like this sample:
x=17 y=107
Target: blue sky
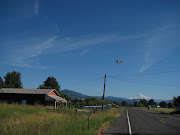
x=77 y=42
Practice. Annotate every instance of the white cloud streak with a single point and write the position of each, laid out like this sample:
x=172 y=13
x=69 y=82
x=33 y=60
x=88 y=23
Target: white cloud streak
x=70 y=44
x=160 y=45
x=24 y=56
x=84 y=52
x=36 y=7
x=27 y=54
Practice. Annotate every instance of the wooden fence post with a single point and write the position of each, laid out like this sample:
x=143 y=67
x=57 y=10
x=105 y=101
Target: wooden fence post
x=88 y=122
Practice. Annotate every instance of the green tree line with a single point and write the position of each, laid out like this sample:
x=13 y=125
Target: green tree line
x=12 y=80
x=162 y=104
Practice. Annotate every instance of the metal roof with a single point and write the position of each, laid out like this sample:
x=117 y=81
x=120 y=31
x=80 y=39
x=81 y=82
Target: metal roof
x=57 y=98
x=25 y=91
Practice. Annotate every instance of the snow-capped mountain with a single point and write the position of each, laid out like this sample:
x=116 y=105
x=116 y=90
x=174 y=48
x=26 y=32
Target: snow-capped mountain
x=140 y=96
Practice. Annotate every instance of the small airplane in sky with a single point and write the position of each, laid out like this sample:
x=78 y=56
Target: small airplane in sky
x=118 y=61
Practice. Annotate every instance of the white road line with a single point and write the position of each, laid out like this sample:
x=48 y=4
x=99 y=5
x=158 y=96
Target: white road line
x=129 y=123
x=174 y=118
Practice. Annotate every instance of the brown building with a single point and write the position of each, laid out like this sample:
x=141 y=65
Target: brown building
x=46 y=97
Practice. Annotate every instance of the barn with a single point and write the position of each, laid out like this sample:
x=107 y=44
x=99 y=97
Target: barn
x=46 y=97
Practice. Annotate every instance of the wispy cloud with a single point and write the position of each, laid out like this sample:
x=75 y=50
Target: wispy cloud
x=84 y=52
x=82 y=42
x=70 y=44
x=162 y=42
x=36 y=7
x=25 y=56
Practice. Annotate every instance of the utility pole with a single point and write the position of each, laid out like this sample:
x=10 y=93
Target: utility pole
x=104 y=93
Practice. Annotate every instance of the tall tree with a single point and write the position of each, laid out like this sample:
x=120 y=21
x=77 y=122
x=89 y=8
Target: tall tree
x=151 y=102
x=176 y=101
x=124 y=103
x=169 y=105
x=163 y=104
x=50 y=83
x=143 y=102
x=13 y=80
x=136 y=104
x=1 y=83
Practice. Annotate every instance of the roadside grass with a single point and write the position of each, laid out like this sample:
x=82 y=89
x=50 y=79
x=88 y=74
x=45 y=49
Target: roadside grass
x=161 y=110
x=36 y=120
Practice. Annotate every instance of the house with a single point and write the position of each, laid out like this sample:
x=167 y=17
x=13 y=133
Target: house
x=46 y=97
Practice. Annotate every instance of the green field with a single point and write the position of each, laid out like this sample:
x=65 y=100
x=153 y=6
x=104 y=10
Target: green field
x=37 y=120
x=161 y=110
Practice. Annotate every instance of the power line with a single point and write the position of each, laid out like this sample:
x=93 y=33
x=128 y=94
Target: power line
x=140 y=80
x=146 y=73
x=147 y=83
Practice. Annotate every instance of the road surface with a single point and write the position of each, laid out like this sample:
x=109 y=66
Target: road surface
x=140 y=122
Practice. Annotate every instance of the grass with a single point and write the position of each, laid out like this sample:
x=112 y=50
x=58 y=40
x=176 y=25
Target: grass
x=36 y=120
x=161 y=110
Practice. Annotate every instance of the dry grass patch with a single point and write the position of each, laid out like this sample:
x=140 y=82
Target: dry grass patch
x=36 y=120
x=102 y=128
x=161 y=110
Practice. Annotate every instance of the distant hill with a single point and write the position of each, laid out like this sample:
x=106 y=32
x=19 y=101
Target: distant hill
x=170 y=101
x=118 y=99
x=74 y=94
x=115 y=99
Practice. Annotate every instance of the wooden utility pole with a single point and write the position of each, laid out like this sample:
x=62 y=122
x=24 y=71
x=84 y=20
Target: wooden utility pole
x=104 y=93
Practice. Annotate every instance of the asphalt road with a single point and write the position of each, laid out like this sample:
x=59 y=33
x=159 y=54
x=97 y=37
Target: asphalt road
x=140 y=122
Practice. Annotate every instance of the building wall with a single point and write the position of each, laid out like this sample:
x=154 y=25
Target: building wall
x=49 y=101
x=31 y=99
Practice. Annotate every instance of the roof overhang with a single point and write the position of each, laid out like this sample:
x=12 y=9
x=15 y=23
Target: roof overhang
x=57 y=98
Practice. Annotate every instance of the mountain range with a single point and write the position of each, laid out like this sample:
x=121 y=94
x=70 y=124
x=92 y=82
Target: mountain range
x=131 y=100
x=74 y=94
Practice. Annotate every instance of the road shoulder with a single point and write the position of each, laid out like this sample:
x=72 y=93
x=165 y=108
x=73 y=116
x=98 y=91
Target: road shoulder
x=119 y=126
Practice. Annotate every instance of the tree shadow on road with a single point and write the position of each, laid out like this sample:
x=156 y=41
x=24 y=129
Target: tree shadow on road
x=175 y=112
